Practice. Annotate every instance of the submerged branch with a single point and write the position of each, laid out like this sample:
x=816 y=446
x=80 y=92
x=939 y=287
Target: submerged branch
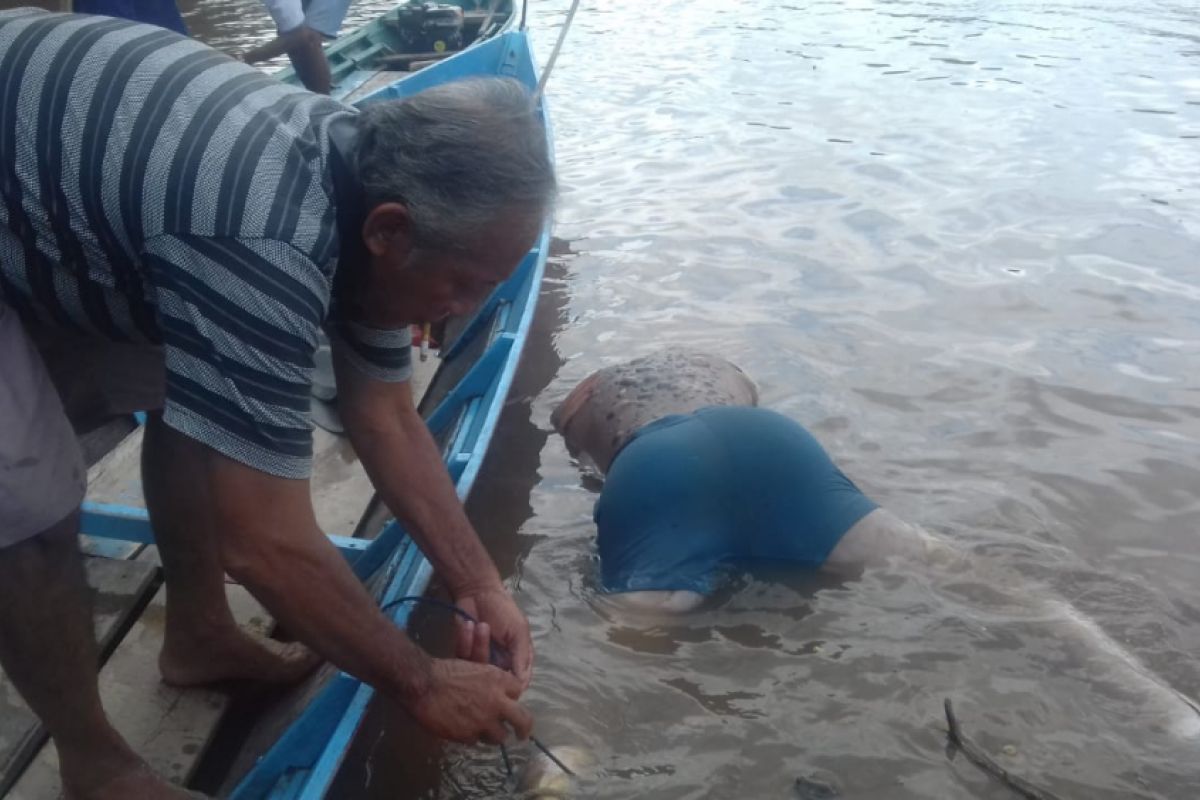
x=976 y=755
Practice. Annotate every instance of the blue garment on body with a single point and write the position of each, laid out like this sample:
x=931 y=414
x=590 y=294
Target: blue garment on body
x=692 y=493
x=163 y=13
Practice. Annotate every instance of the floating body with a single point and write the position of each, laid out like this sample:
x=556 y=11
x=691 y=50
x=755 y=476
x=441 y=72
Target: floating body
x=679 y=488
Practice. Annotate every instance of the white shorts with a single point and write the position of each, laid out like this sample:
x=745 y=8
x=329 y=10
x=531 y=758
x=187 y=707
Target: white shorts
x=323 y=16
x=42 y=478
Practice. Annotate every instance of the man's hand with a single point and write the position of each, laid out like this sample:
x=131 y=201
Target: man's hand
x=468 y=703
x=405 y=464
x=499 y=619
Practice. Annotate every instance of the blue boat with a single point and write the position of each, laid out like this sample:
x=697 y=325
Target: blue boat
x=407 y=37
x=461 y=407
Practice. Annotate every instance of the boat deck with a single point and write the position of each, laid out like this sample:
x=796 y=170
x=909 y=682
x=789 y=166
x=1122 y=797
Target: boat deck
x=170 y=728
x=382 y=78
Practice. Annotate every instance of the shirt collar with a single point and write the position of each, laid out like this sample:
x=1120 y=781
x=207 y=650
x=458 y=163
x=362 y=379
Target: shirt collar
x=349 y=198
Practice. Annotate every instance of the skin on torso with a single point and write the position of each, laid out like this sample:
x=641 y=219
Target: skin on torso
x=606 y=408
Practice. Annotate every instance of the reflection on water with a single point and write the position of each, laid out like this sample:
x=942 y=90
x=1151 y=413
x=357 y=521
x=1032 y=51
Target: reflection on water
x=959 y=241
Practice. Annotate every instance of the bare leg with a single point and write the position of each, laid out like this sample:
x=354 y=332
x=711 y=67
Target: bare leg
x=305 y=48
x=43 y=589
x=308 y=59
x=203 y=642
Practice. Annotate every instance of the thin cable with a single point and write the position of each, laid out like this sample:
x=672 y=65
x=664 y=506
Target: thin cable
x=507 y=764
x=562 y=35
x=496 y=648
x=550 y=755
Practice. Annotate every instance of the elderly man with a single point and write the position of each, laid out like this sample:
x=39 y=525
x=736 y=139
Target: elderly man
x=193 y=222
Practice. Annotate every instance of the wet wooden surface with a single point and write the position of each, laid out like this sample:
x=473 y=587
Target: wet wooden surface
x=118 y=590
x=379 y=80
x=168 y=727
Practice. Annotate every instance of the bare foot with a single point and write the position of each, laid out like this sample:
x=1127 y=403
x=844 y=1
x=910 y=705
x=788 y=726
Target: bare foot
x=235 y=655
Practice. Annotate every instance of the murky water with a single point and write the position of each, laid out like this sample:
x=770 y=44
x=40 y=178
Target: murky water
x=961 y=242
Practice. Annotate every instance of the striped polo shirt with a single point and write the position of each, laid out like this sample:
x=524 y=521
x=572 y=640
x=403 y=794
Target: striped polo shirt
x=153 y=189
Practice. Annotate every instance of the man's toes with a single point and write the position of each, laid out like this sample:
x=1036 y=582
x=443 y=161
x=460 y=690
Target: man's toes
x=237 y=657
x=293 y=661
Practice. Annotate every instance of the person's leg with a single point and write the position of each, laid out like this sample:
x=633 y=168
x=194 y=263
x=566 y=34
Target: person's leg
x=306 y=51
x=47 y=643
x=203 y=642
x=48 y=651
x=322 y=20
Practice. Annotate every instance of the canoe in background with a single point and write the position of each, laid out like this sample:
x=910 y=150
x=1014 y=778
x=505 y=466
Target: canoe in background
x=380 y=46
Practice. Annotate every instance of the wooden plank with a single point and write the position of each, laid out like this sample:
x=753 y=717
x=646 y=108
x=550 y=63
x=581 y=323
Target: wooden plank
x=118 y=588
x=404 y=60
x=340 y=487
x=116 y=478
x=379 y=80
x=101 y=440
x=338 y=495
x=168 y=727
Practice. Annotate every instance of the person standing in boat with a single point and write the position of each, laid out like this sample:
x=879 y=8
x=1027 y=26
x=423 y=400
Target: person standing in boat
x=164 y=13
x=190 y=223
x=303 y=27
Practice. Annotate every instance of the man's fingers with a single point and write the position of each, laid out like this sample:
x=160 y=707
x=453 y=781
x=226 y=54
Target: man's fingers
x=481 y=648
x=465 y=639
x=522 y=661
x=519 y=718
x=495 y=733
x=511 y=685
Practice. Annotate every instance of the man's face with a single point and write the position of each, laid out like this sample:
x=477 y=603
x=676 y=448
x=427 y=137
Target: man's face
x=415 y=285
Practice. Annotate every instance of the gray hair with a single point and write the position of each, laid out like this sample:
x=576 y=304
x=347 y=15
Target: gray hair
x=456 y=155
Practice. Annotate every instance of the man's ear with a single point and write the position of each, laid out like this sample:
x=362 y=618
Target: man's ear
x=387 y=231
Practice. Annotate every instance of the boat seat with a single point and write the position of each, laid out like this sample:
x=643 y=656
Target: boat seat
x=363 y=59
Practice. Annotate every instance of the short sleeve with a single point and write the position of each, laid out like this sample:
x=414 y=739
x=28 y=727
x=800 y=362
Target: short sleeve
x=382 y=355
x=288 y=14
x=239 y=320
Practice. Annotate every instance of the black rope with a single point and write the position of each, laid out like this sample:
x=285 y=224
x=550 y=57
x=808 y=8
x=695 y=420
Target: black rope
x=524 y=9
x=508 y=770
x=499 y=654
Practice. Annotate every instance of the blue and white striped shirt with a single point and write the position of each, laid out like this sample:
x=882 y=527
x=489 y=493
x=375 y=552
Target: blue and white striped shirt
x=154 y=189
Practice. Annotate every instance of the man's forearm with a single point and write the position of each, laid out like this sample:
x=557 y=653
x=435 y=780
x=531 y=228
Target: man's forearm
x=299 y=37
x=276 y=47
x=306 y=584
x=406 y=467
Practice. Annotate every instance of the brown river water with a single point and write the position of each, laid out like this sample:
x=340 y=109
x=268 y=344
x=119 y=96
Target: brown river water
x=960 y=241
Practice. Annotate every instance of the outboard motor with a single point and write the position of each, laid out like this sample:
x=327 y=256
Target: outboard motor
x=430 y=27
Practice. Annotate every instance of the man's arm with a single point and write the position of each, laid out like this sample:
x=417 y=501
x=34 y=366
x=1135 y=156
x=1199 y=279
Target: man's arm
x=270 y=542
x=406 y=467
x=305 y=48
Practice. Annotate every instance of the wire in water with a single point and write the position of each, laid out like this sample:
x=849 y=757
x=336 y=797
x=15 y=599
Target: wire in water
x=498 y=656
